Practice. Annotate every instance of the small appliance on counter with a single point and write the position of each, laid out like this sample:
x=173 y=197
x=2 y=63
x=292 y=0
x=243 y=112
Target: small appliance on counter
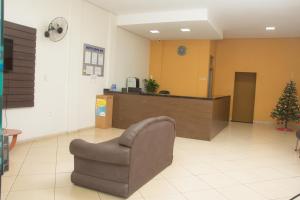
x=133 y=85
x=132 y=82
x=113 y=87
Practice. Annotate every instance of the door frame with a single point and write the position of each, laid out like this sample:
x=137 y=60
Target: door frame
x=210 y=76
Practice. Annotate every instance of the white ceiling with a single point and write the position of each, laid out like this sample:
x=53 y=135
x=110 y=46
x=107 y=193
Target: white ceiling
x=171 y=30
x=169 y=24
x=235 y=18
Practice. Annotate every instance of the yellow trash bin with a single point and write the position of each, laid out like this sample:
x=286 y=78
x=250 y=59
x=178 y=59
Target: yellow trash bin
x=104 y=108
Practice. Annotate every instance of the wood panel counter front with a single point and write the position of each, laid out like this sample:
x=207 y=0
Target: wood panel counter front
x=196 y=118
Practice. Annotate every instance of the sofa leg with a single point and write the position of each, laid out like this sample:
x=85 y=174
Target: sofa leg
x=296 y=149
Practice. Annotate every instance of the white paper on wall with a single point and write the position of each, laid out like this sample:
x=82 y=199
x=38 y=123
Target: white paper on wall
x=100 y=59
x=89 y=70
x=98 y=71
x=87 y=57
x=94 y=58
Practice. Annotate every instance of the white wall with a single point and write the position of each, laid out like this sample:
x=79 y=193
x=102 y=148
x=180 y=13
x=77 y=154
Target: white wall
x=132 y=58
x=64 y=99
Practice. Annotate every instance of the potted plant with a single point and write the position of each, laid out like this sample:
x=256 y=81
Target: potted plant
x=151 y=85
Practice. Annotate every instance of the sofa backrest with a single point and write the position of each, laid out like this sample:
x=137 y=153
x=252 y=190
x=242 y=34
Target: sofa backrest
x=128 y=137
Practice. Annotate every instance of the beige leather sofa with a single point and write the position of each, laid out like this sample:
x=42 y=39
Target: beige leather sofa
x=122 y=165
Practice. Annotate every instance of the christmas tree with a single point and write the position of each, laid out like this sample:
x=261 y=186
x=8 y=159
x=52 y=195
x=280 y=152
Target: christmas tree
x=287 y=108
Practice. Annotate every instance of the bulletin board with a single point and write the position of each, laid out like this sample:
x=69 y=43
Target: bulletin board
x=93 y=60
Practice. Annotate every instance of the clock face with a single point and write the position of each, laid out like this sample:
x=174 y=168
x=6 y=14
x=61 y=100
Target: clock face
x=181 y=50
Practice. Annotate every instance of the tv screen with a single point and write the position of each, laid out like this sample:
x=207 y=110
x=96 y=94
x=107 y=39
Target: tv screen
x=8 y=54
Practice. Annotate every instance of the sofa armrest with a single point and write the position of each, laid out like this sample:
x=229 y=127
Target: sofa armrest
x=107 y=152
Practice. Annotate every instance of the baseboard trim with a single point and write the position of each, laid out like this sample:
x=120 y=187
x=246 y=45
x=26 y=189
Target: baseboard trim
x=263 y=122
x=49 y=135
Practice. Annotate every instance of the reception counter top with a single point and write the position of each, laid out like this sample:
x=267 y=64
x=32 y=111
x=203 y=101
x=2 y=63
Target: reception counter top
x=161 y=95
x=196 y=117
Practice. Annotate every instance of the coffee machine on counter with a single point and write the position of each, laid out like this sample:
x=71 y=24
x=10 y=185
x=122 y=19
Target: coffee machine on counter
x=133 y=85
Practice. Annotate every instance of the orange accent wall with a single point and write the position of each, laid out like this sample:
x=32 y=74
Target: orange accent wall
x=213 y=47
x=276 y=61
x=181 y=75
x=156 y=56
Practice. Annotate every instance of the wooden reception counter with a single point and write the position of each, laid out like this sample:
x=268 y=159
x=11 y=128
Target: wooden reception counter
x=196 y=118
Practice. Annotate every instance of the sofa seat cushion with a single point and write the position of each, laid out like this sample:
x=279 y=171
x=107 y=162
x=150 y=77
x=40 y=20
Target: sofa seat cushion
x=106 y=152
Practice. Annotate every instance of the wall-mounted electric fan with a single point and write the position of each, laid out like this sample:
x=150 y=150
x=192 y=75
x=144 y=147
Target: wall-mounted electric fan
x=57 y=29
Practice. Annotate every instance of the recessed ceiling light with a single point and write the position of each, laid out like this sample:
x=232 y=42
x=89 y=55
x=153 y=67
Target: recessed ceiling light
x=270 y=28
x=185 y=30
x=154 y=31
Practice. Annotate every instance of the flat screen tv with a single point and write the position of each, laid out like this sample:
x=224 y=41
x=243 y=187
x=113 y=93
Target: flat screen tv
x=8 y=55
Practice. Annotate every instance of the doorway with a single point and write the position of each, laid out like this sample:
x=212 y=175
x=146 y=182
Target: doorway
x=244 y=97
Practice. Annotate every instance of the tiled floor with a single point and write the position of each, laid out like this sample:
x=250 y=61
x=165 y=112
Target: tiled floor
x=244 y=162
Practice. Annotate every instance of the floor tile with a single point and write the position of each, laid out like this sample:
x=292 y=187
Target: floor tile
x=65 y=166
x=158 y=188
x=38 y=151
x=14 y=168
x=277 y=188
x=64 y=157
x=18 y=155
x=47 y=142
x=63 y=150
x=75 y=193
x=255 y=175
x=29 y=168
x=158 y=177
x=218 y=180
x=200 y=168
x=4 y=195
x=63 y=180
x=270 y=189
x=7 y=183
x=189 y=184
x=166 y=197
x=135 y=196
x=34 y=182
x=241 y=192
x=32 y=195
x=289 y=169
x=41 y=157
x=175 y=171
x=205 y=195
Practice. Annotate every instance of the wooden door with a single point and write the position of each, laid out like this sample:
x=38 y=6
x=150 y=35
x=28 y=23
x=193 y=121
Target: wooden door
x=244 y=97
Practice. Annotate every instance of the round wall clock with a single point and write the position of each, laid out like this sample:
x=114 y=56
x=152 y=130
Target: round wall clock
x=181 y=50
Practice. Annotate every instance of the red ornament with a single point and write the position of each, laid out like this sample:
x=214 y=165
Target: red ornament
x=285 y=129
